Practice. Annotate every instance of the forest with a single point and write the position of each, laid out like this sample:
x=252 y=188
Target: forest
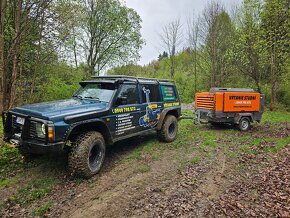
x=48 y=46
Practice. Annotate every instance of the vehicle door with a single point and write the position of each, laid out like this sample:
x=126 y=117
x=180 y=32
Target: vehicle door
x=126 y=110
x=151 y=106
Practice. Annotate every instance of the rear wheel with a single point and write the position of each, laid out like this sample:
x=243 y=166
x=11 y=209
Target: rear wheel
x=244 y=124
x=169 y=129
x=88 y=154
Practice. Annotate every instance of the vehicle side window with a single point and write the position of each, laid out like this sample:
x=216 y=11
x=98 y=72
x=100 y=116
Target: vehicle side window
x=168 y=93
x=130 y=92
x=154 y=93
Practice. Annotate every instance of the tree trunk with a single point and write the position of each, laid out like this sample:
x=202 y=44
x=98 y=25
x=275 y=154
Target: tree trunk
x=195 y=69
x=172 y=68
x=273 y=80
x=15 y=54
x=75 y=50
x=2 y=64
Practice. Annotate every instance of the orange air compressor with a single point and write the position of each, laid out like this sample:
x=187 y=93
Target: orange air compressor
x=229 y=105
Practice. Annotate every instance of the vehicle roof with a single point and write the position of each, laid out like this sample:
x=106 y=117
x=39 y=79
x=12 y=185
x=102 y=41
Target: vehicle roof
x=142 y=80
x=219 y=89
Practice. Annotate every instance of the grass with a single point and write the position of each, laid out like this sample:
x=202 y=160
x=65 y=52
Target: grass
x=148 y=148
x=41 y=211
x=195 y=160
x=276 y=116
x=142 y=168
x=8 y=182
x=35 y=190
x=10 y=160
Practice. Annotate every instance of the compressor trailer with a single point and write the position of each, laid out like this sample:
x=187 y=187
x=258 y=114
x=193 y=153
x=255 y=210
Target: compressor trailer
x=229 y=105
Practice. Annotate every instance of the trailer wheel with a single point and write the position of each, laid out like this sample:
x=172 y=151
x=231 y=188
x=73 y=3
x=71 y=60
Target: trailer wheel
x=169 y=129
x=244 y=124
x=87 y=157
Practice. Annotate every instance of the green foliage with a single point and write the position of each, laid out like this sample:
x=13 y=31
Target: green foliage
x=276 y=117
x=10 y=159
x=113 y=34
x=34 y=191
x=41 y=211
x=63 y=83
x=236 y=52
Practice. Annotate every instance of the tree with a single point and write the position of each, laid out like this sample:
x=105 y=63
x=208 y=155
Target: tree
x=248 y=51
x=216 y=31
x=276 y=32
x=112 y=34
x=193 y=31
x=171 y=38
x=2 y=64
x=30 y=38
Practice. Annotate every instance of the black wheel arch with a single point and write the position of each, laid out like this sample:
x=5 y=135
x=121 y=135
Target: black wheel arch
x=168 y=111
x=239 y=116
x=87 y=126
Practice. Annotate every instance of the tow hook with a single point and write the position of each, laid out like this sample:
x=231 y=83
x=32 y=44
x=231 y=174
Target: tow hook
x=14 y=142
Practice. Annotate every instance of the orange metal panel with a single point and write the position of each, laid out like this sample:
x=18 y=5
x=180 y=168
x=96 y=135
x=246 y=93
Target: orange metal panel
x=219 y=101
x=241 y=102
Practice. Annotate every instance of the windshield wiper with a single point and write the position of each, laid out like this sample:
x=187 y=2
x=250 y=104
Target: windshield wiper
x=78 y=96
x=90 y=97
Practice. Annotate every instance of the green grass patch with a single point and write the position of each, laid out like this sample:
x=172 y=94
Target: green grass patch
x=195 y=160
x=142 y=168
x=210 y=139
x=10 y=160
x=8 y=182
x=35 y=190
x=279 y=144
x=185 y=134
x=276 y=116
x=151 y=148
x=256 y=141
x=41 y=211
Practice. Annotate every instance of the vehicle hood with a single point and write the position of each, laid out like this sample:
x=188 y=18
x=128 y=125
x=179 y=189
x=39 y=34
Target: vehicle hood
x=56 y=109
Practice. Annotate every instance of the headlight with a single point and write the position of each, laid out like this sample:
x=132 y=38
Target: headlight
x=40 y=130
x=43 y=129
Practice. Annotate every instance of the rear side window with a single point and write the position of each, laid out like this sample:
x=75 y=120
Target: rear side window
x=168 y=93
x=152 y=91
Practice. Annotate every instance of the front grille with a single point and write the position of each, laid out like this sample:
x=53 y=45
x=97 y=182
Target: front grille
x=27 y=131
x=32 y=130
x=17 y=128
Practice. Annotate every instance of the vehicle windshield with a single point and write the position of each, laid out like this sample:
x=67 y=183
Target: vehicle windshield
x=99 y=92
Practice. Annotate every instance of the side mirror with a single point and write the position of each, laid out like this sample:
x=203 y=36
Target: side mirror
x=122 y=101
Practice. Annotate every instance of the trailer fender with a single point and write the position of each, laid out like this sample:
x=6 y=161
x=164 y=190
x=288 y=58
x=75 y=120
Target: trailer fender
x=238 y=116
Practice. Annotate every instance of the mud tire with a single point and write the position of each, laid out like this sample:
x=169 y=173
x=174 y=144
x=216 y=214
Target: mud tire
x=169 y=129
x=87 y=155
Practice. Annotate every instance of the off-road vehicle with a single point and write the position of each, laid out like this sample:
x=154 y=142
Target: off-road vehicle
x=104 y=110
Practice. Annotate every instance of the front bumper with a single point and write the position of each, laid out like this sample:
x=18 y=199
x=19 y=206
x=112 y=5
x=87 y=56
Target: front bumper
x=35 y=147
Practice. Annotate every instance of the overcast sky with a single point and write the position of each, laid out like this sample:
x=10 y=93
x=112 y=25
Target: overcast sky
x=156 y=13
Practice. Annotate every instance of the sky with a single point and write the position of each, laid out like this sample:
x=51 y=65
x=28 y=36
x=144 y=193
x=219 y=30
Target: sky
x=157 y=13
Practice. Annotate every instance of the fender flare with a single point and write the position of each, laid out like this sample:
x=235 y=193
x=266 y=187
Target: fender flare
x=163 y=115
x=238 y=117
x=108 y=138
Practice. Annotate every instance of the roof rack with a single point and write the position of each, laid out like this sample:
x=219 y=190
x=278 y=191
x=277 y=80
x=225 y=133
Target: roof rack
x=115 y=77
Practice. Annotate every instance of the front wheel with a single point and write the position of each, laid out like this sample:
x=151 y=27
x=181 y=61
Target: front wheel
x=169 y=129
x=88 y=154
x=244 y=124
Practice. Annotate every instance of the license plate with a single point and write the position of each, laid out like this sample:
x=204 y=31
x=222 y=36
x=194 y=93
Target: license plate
x=20 y=120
